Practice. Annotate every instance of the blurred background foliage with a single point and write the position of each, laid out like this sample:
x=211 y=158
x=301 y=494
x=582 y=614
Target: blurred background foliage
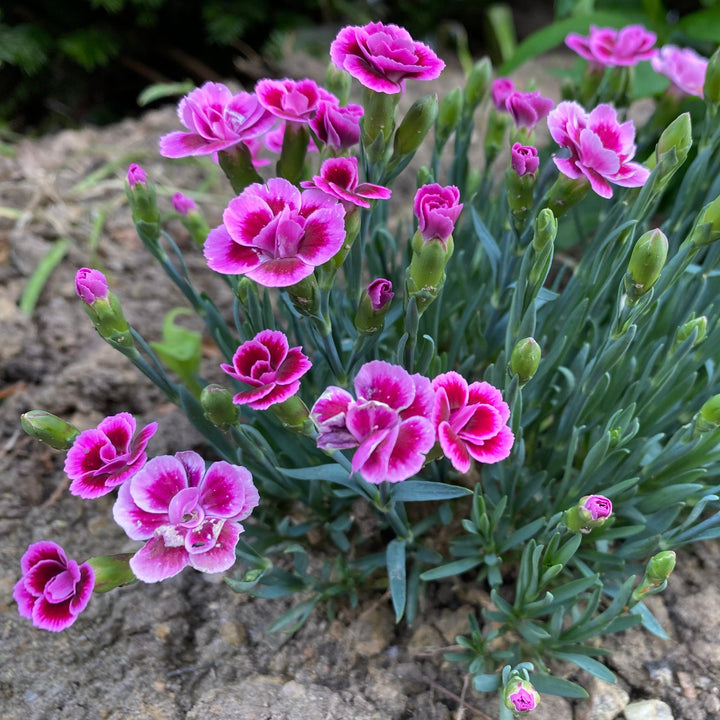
x=76 y=61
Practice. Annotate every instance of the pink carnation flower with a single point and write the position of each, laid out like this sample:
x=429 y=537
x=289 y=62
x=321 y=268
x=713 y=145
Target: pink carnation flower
x=500 y=91
x=684 y=67
x=607 y=47
x=524 y=159
x=470 y=421
x=338 y=178
x=53 y=590
x=183 y=204
x=527 y=109
x=90 y=285
x=387 y=423
x=437 y=209
x=104 y=457
x=275 y=234
x=271 y=368
x=337 y=126
x=136 y=175
x=382 y=57
x=600 y=147
x=216 y=120
x=189 y=516
x=294 y=100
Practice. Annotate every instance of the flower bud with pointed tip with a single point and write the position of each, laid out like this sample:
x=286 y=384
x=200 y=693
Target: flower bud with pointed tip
x=525 y=359
x=520 y=696
x=646 y=263
x=698 y=325
x=415 y=125
x=90 y=285
x=707 y=226
x=112 y=571
x=707 y=418
x=590 y=512
x=49 y=428
x=218 y=407
x=546 y=226
x=711 y=87
x=672 y=149
x=660 y=566
x=448 y=117
x=478 y=83
x=373 y=306
x=143 y=203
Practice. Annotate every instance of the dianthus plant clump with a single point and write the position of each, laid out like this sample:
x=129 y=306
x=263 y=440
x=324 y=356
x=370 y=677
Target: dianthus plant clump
x=541 y=425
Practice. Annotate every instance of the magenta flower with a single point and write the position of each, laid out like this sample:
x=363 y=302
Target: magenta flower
x=380 y=293
x=607 y=47
x=437 y=209
x=188 y=515
x=522 y=700
x=470 y=421
x=53 y=590
x=183 y=204
x=600 y=147
x=136 y=176
x=382 y=57
x=500 y=91
x=387 y=423
x=216 y=120
x=104 y=457
x=294 y=100
x=90 y=285
x=271 y=368
x=337 y=126
x=598 y=506
x=527 y=109
x=275 y=234
x=338 y=178
x=524 y=159
x=684 y=67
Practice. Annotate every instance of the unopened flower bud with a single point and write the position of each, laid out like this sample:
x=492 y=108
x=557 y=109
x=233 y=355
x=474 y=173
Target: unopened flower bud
x=112 y=571
x=338 y=82
x=698 y=325
x=183 y=204
x=377 y=123
x=707 y=226
x=425 y=176
x=448 y=116
x=646 y=263
x=520 y=696
x=566 y=193
x=525 y=359
x=191 y=218
x=590 y=512
x=711 y=87
x=707 y=418
x=545 y=229
x=374 y=305
x=143 y=203
x=672 y=149
x=478 y=83
x=48 y=428
x=218 y=407
x=415 y=125
x=90 y=285
x=656 y=575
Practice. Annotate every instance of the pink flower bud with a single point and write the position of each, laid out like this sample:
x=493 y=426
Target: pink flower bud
x=437 y=209
x=136 y=175
x=500 y=90
x=524 y=159
x=598 y=506
x=528 y=109
x=380 y=293
x=90 y=285
x=183 y=204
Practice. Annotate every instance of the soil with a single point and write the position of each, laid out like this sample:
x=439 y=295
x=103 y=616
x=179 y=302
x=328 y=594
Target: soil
x=190 y=647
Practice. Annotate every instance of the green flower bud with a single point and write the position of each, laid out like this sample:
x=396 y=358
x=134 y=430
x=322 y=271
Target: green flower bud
x=108 y=318
x=687 y=329
x=305 y=296
x=112 y=571
x=646 y=263
x=545 y=229
x=143 y=203
x=415 y=125
x=525 y=359
x=672 y=149
x=373 y=306
x=294 y=415
x=707 y=226
x=294 y=149
x=425 y=176
x=49 y=428
x=565 y=193
x=520 y=696
x=478 y=83
x=426 y=275
x=660 y=566
x=498 y=124
x=218 y=407
x=711 y=88
x=707 y=418
x=378 y=122
x=448 y=116
x=338 y=82
x=591 y=511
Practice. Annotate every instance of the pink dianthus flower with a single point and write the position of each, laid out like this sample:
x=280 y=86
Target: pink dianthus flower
x=601 y=148
x=380 y=292
x=470 y=421
x=338 y=178
x=684 y=67
x=382 y=57
x=500 y=91
x=104 y=457
x=437 y=209
x=90 y=285
x=608 y=47
x=53 y=590
x=387 y=421
x=598 y=506
x=524 y=159
x=528 y=109
x=270 y=366
x=216 y=120
x=136 y=175
x=187 y=514
x=293 y=100
x=336 y=125
x=275 y=234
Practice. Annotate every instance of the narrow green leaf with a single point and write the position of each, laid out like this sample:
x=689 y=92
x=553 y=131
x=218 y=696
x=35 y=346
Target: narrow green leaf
x=589 y=665
x=425 y=490
x=551 y=685
x=42 y=272
x=450 y=569
x=395 y=558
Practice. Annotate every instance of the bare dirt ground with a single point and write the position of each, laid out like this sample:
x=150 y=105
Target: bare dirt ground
x=190 y=647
